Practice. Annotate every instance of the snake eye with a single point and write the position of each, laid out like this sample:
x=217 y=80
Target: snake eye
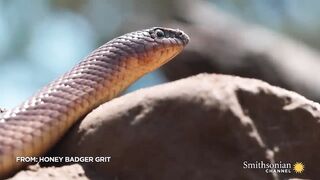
x=159 y=33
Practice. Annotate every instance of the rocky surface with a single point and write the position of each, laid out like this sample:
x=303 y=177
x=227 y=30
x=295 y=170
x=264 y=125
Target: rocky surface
x=202 y=127
x=75 y=171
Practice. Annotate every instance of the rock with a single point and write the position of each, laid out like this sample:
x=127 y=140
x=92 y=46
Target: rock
x=203 y=127
x=75 y=171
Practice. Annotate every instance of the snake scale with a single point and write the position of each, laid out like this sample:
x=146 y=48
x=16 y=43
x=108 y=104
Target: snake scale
x=35 y=126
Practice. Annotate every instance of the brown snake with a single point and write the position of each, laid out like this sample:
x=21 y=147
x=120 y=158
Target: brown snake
x=31 y=129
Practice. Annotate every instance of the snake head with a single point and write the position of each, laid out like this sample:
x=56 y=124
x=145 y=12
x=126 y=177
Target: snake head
x=164 y=45
x=148 y=49
x=163 y=35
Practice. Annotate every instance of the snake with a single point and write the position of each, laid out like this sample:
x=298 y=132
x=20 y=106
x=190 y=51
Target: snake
x=32 y=128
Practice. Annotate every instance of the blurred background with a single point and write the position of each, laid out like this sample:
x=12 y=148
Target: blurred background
x=276 y=41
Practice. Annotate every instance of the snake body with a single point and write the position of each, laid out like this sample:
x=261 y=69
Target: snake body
x=31 y=129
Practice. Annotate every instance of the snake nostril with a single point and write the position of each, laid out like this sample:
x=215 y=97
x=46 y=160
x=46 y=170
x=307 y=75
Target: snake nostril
x=178 y=34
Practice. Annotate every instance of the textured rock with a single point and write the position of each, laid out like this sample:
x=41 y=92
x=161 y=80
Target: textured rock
x=202 y=127
x=74 y=171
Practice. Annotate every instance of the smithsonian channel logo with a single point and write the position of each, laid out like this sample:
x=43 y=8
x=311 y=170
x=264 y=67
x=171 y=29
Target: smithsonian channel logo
x=276 y=167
